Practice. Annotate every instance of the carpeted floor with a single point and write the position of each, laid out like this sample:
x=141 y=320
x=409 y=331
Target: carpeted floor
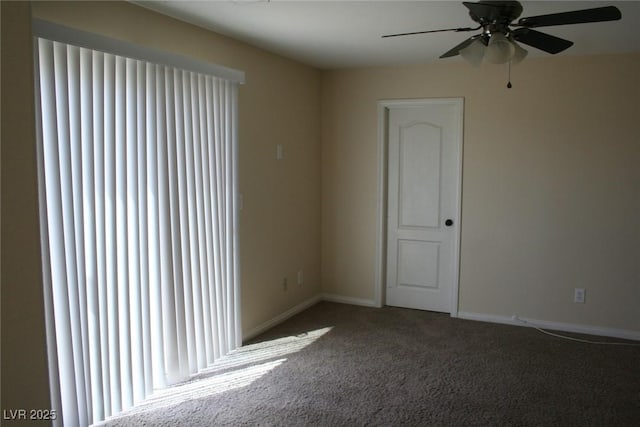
x=341 y=365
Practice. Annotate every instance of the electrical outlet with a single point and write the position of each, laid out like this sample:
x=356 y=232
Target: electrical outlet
x=285 y=285
x=579 y=295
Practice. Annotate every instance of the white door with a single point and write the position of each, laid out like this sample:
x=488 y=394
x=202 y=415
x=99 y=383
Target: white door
x=423 y=222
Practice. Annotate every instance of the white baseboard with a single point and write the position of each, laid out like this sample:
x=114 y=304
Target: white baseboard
x=281 y=318
x=303 y=306
x=482 y=317
x=349 y=300
x=555 y=326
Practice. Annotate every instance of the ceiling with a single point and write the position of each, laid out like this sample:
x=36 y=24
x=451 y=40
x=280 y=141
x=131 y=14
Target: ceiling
x=343 y=34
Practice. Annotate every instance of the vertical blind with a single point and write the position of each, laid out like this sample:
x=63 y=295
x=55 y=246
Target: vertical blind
x=139 y=225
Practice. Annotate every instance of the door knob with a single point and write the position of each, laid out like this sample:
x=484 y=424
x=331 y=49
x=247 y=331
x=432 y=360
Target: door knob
x=448 y=222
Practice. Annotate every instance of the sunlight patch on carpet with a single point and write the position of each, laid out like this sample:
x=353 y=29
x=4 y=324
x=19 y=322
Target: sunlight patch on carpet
x=266 y=350
x=238 y=369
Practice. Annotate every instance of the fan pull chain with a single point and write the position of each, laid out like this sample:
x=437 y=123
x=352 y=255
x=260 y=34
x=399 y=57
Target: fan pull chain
x=509 y=85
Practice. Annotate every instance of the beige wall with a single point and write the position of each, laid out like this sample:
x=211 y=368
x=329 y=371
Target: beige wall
x=24 y=361
x=551 y=184
x=279 y=104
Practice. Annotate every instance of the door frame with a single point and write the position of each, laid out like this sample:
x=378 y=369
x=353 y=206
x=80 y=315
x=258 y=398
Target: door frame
x=383 y=149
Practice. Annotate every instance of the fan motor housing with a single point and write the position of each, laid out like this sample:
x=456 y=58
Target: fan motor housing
x=508 y=11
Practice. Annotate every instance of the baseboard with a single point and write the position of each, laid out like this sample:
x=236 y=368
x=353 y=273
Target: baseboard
x=263 y=327
x=281 y=317
x=348 y=300
x=482 y=317
x=555 y=326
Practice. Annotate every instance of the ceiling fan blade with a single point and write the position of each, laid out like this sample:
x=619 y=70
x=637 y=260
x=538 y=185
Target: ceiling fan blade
x=458 y=48
x=487 y=11
x=457 y=30
x=599 y=14
x=548 y=43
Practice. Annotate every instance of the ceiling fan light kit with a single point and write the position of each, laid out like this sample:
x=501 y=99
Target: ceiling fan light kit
x=474 y=53
x=497 y=43
x=499 y=50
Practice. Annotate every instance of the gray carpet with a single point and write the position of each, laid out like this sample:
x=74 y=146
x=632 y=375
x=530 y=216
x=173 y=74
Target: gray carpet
x=341 y=365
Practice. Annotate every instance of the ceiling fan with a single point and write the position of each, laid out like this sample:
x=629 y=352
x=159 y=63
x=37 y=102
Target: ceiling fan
x=497 y=43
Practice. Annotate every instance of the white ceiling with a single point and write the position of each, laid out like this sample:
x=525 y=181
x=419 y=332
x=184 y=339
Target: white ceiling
x=341 y=34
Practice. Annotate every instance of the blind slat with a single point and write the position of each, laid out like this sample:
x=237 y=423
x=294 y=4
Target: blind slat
x=133 y=231
x=111 y=233
x=94 y=359
x=144 y=233
x=170 y=339
x=153 y=221
x=101 y=243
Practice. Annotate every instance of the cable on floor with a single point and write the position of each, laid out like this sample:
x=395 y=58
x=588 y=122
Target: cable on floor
x=553 y=334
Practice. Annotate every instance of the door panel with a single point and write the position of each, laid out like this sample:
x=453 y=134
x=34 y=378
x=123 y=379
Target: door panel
x=418 y=263
x=419 y=169
x=424 y=145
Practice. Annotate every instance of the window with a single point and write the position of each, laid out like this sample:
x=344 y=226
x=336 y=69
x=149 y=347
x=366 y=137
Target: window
x=139 y=219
